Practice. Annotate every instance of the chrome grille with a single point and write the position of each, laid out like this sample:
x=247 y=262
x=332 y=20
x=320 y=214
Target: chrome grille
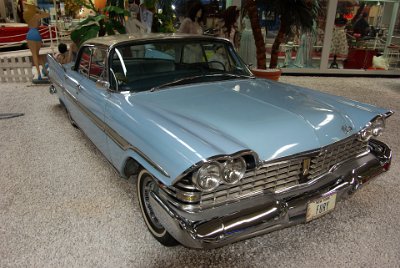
x=334 y=154
x=284 y=174
x=272 y=177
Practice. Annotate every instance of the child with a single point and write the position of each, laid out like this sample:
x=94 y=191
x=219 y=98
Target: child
x=63 y=55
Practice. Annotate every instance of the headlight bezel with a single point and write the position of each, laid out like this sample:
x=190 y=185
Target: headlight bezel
x=224 y=164
x=241 y=171
x=374 y=128
x=197 y=176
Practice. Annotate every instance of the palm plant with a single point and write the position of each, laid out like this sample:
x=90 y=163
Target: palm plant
x=293 y=14
x=250 y=8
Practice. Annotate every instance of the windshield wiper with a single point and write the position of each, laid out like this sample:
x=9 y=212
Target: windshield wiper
x=235 y=75
x=186 y=79
x=178 y=81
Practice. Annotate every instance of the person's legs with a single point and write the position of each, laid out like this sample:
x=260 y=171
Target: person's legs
x=34 y=47
x=34 y=41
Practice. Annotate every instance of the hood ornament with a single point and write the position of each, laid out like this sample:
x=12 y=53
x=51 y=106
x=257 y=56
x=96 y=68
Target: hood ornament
x=306 y=166
x=347 y=129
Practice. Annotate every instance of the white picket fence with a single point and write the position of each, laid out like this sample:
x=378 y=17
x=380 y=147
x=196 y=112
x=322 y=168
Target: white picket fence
x=17 y=66
x=15 y=69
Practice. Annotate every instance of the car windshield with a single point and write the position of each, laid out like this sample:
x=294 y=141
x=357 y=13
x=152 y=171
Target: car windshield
x=159 y=64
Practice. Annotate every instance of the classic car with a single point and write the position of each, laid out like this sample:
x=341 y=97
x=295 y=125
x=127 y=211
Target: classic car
x=218 y=155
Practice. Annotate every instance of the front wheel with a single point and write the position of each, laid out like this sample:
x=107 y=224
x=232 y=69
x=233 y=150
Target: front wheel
x=145 y=184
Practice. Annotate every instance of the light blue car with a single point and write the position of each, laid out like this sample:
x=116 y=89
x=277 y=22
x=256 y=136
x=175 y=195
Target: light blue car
x=218 y=155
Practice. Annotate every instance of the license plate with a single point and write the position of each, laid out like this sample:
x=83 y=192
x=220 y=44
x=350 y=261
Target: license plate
x=320 y=207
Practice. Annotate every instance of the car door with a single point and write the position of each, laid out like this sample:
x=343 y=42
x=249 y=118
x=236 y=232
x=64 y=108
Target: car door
x=71 y=82
x=92 y=99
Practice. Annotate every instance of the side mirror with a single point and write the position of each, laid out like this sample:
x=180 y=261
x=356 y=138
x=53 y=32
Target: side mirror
x=103 y=84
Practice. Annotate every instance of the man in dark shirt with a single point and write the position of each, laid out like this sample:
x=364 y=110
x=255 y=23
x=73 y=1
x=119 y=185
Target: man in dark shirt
x=361 y=26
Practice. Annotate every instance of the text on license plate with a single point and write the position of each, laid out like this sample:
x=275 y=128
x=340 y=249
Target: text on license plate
x=320 y=207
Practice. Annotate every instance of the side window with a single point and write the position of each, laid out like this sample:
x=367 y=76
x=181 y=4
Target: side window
x=84 y=62
x=92 y=63
x=98 y=64
x=192 y=53
x=118 y=69
x=218 y=57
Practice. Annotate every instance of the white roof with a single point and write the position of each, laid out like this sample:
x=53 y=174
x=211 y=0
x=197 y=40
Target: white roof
x=112 y=40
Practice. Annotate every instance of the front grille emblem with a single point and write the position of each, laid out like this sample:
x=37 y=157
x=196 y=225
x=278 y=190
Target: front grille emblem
x=306 y=166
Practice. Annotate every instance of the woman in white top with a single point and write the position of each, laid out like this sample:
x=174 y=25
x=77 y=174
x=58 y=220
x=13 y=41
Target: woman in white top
x=192 y=24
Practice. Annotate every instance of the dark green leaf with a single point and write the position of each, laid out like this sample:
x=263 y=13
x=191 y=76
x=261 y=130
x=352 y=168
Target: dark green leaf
x=86 y=21
x=109 y=28
x=115 y=9
x=84 y=33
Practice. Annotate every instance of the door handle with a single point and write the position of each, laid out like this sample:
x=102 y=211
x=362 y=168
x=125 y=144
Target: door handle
x=72 y=80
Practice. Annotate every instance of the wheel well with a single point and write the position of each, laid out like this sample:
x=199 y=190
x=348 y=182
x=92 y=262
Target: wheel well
x=62 y=103
x=132 y=167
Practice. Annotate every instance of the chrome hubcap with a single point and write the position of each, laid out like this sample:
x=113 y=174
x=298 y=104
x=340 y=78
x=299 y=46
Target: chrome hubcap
x=148 y=186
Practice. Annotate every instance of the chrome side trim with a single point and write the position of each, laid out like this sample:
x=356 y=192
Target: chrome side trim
x=112 y=134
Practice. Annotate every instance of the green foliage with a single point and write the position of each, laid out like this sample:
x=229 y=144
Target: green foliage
x=297 y=13
x=162 y=22
x=109 y=20
x=84 y=33
x=150 y=4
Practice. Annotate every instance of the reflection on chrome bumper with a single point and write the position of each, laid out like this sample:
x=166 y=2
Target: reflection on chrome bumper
x=226 y=224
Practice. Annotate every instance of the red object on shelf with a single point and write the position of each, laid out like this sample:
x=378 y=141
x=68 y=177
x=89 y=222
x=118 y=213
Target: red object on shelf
x=359 y=58
x=16 y=32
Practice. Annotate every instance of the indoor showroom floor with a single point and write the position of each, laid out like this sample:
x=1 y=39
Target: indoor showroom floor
x=63 y=205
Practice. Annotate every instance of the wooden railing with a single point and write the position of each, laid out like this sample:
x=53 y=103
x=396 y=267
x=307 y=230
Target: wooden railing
x=16 y=66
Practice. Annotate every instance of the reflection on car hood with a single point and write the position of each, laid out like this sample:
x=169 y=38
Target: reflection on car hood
x=273 y=119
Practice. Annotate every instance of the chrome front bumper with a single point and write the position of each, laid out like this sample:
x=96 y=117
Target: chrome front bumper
x=247 y=218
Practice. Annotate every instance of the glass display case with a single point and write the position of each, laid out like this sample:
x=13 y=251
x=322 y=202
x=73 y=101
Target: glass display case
x=348 y=37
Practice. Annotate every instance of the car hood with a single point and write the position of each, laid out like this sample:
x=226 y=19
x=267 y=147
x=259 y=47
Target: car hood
x=272 y=119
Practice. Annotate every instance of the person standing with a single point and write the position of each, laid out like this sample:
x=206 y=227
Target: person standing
x=361 y=26
x=228 y=26
x=192 y=24
x=247 y=49
x=133 y=25
x=32 y=16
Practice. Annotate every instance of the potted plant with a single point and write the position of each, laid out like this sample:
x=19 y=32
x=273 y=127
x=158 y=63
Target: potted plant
x=292 y=13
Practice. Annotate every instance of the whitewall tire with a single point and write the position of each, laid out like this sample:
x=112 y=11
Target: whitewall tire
x=145 y=184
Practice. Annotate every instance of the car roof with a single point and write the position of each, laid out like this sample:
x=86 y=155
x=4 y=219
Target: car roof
x=112 y=40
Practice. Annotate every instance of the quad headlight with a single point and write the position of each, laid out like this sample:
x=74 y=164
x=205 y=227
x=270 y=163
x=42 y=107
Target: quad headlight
x=234 y=170
x=374 y=128
x=209 y=176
